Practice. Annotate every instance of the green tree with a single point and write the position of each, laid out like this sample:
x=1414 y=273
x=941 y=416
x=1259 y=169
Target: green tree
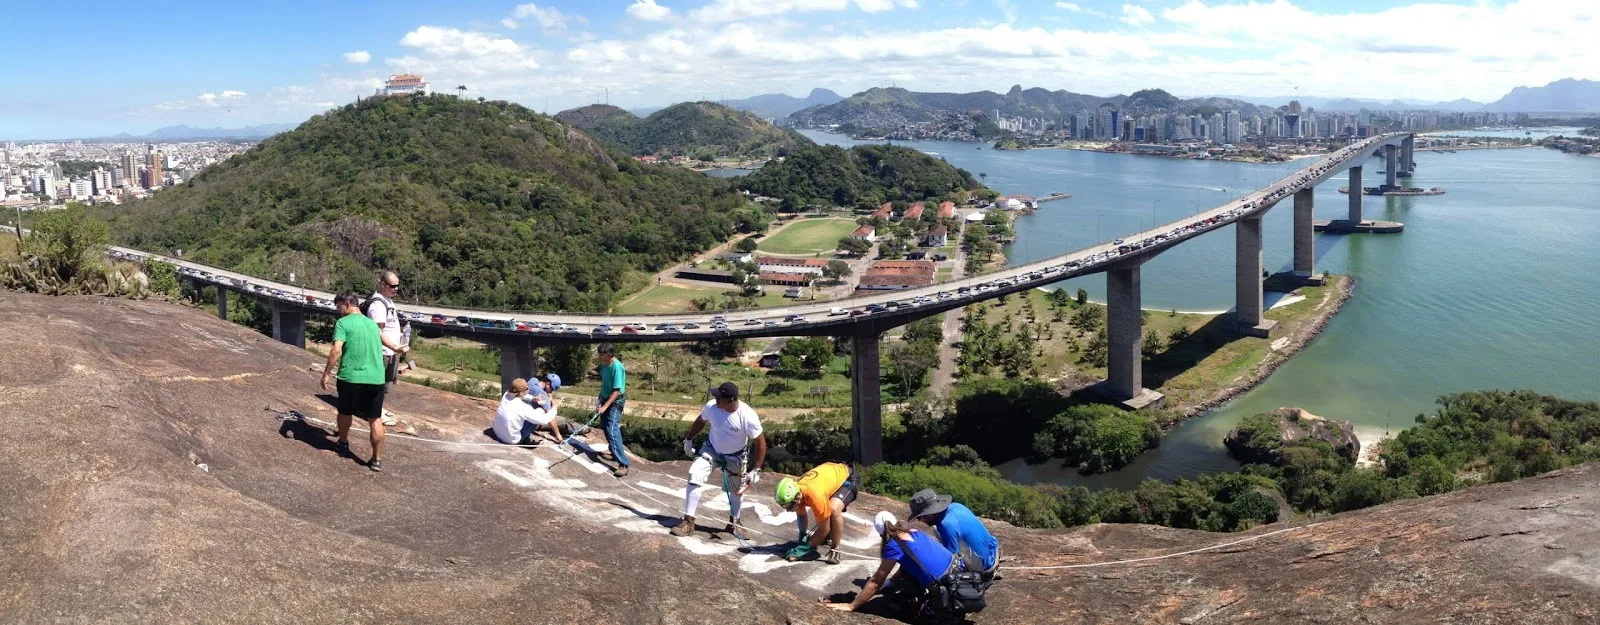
x=804 y=357
x=745 y=245
x=836 y=270
x=69 y=242
x=1152 y=345
x=854 y=246
x=912 y=362
x=1098 y=352
x=1083 y=297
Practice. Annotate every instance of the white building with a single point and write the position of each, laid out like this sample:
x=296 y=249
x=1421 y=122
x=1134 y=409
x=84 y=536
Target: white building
x=100 y=181
x=82 y=190
x=44 y=183
x=402 y=84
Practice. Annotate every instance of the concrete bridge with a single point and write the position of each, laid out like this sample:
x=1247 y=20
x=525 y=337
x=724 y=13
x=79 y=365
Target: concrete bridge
x=864 y=319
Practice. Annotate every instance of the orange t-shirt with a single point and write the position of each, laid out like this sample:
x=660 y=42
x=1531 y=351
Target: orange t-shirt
x=818 y=484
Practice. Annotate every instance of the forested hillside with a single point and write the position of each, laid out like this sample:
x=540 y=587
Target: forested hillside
x=703 y=130
x=865 y=175
x=476 y=204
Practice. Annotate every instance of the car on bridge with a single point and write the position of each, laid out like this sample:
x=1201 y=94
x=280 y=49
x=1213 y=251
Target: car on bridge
x=602 y=329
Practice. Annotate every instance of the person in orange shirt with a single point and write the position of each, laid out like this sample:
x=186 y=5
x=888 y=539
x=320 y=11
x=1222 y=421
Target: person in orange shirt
x=827 y=491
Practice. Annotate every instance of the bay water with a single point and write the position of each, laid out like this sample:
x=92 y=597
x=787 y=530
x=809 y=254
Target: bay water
x=1495 y=284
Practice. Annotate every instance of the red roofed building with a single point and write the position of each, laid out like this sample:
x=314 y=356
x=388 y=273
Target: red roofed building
x=884 y=211
x=786 y=279
x=915 y=212
x=947 y=210
x=779 y=264
x=865 y=233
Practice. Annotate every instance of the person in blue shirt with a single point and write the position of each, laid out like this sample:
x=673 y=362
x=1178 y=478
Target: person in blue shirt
x=920 y=557
x=960 y=531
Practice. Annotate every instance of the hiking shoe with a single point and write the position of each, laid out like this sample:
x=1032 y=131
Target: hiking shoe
x=375 y=465
x=732 y=527
x=620 y=472
x=833 y=556
x=684 y=527
x=343 y=447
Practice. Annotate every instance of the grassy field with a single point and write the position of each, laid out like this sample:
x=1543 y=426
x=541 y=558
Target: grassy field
x=668 y=298
x=810 y=236
x=1188 y=371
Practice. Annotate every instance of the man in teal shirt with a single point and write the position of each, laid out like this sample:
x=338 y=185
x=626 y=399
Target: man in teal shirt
x=356 y=360
x=613 y=390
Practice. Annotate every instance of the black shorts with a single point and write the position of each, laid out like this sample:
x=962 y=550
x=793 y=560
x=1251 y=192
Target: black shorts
x=361 y=400
x=848 y=490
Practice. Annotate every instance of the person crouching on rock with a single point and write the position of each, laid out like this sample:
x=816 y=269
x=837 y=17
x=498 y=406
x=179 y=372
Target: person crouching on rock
x=356 y=360
x=524 y=412
x=734 y=424
x=922 y=561
x=960 y=531
x=827 y=491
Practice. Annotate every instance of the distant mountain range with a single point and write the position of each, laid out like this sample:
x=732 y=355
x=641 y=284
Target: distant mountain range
x=689 y=128
x=891 y=107
x=1356 y=104
x=1567 y=95
x=769 y=105
x=182 y=132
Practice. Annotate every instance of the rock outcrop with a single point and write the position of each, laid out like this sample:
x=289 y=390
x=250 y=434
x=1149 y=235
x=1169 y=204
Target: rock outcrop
x=1258 y=438
x=144 y=483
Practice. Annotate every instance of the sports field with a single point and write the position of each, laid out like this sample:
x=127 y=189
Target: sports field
x=809 y=236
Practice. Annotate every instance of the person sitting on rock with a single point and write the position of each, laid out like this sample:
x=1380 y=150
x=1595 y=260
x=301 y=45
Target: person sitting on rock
x=523 y=413
x=827 y=491
x=922 y=562
x=960 y=531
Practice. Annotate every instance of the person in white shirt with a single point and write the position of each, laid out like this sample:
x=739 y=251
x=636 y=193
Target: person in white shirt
x=380 y=309
x=525 y=410
x=733 y=426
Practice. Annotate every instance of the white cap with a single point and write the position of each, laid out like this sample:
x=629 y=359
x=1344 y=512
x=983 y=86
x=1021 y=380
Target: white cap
x=884 y=518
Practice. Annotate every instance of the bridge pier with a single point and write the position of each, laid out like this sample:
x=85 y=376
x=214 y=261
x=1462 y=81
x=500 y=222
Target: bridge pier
x=288 y=323
x=1408 y=156
x=1248 y=318
x=1124 y=332
x=516 y=361
x=1391 y=170
x=222 y=303
x=1305 y=242
x=1356 y=195
x=866 y=399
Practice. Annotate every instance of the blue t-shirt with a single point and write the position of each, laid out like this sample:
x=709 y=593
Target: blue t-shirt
x=960 y=526
x=928 y=551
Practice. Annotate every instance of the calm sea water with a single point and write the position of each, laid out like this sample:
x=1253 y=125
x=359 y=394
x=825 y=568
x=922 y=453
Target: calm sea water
x=1492 y=285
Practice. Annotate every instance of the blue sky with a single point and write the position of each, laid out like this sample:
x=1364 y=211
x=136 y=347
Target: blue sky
x=240 y=63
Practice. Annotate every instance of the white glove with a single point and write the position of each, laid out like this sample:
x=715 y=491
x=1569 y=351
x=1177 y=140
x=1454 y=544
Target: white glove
x=751 y=478
x=688 y=448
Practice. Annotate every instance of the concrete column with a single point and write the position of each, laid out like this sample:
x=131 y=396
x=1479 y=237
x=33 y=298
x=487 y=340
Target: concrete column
x=1355 y=196
x=866 y=402
x=1124 y=331
x=288 y=324
x=222 y=303
x=516 y=361
x=1408 y=155
x=1391 y=174
x=1305 y=251
x=1248 y=318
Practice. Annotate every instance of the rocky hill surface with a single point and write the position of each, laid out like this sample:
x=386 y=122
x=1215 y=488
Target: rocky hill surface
x=145 y=483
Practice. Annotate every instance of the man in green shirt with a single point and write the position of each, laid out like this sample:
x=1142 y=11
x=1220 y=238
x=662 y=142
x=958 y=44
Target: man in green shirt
x=356 y=359
x=613 y=390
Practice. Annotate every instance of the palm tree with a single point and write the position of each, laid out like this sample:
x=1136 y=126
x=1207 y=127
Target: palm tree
x=983 y=176
x=461 y=91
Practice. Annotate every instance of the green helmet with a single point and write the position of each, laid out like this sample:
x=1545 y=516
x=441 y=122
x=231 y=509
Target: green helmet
x=788 y=491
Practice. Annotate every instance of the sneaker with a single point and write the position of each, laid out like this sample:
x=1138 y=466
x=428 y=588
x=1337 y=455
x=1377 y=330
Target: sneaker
x=684 y=527
x=620 y=472
x=388 y=417
x=732 y=527
x=343 y=447
x=833 y=556
x=375 y=465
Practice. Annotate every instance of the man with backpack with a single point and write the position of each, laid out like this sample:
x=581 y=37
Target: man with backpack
x=380 y=309
x=960 y=531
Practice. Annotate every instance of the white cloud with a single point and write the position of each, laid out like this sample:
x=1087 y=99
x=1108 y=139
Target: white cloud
x=209 y=98
x=1136 y=16
x=359 y=57
x=508 y=23
x=730 y=10
x=232 y=95
x=648 y=11
x=549 y=19
x=448 y=54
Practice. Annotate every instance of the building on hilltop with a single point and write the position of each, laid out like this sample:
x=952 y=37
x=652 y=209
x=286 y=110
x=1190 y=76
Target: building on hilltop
x=402 y=84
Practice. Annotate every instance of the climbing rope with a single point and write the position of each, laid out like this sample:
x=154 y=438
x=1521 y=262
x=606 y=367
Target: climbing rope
x=295 y=415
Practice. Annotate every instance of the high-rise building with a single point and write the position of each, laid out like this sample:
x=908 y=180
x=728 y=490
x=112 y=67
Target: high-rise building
x=153 y=165
x=1294 y=107
x=44 y=183
x=1291 y=124
x=130 y=168
x=117 y=177
x=100 y=181
x=81 y=190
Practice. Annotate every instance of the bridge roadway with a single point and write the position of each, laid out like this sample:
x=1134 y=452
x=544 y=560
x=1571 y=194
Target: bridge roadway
x=518 y=332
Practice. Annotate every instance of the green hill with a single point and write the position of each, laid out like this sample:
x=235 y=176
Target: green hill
x=476 y=204
x=865 y=175
x=695 y=129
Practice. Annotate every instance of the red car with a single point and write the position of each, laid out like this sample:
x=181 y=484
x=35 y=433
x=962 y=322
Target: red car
x=438 y=320
x=629 y=330
x=522 y=327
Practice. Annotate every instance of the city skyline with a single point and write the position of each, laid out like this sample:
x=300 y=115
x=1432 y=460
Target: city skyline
x=230 y=66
